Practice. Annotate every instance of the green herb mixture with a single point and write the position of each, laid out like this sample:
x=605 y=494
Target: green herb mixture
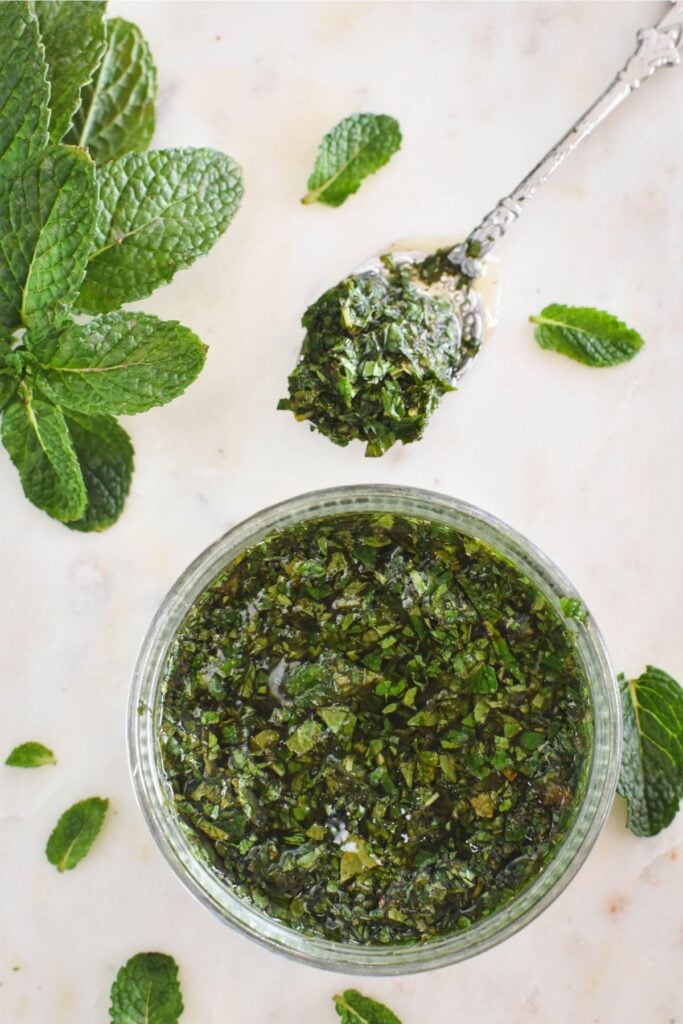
x=375 y=726
x=377 y=356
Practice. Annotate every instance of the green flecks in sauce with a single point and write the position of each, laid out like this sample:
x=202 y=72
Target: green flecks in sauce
x=376 y=727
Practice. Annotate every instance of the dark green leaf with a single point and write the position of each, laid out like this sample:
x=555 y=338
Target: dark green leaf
x=117 y=111
x=8 y=379
x=118 y=363
x=47 y=216
x=146 y=991
x=24 y=90
x=354 y=1008
x=158 y=212
x=37 y=439
x=651 y=776
x=590 y=336
x=30 y=755
x=73 y=35
x=105 y=455
x=75 y=832
x=357 y=146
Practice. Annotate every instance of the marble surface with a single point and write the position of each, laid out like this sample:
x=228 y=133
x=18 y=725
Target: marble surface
x=585 y=462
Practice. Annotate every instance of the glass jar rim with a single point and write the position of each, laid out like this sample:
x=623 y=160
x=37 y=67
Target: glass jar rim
x=235 y=910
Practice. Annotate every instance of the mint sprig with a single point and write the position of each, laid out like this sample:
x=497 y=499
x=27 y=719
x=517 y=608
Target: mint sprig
x=75 y=832
x=357 y=146
x=590 y=336
x=146 y=991
x=651 y=775
x=80 y=238
x=30 y=755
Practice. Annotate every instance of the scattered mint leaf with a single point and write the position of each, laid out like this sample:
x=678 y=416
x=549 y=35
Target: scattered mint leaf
x=357 y=146
x=117 y=363
x=157 y=213
x=105 y=455
x=37 y=439
x=117 y=110
x=573 y=608
x=73 y=34
x=146 y=991
x=24 y=90
x=75 y=832
x=354 y=1008
x=30 y=755
x=47 y=215
x=588 y=335
x=651 y=775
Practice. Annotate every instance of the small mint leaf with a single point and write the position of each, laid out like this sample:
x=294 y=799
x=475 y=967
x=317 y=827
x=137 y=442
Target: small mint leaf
x=73 y=34
x=158 y=212
x=75 y=832
x=30 y=755
x=117 y=363
x=24 y=90
x=651 y=775
x=590 y=336
x=105 y=455
x=47 y=216
x=37 y=439
x=354 y=1008
x=117 y=108
x=146 y=991
x=357 y=146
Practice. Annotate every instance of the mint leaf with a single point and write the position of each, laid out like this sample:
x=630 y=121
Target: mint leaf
x=354 y=1008
x=30 y=755
x=651 y=775
x=590 y=336
x=105 y=455
x=75 y=832
x=37 y=439
x=157 y=213
x=24 y=91
x=8 y=379
x=146 y=991
x=117 y=363
x=47 y=214
x=73 y=35
x=117 y=108
x=357 y=146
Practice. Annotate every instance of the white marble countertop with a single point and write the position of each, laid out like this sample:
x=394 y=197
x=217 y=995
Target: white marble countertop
x=585 y=462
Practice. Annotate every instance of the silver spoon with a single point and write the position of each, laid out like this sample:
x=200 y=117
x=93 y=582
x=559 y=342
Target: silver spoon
x=457 y=269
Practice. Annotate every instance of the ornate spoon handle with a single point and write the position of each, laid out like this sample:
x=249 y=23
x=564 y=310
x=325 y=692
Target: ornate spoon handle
x=657 y=47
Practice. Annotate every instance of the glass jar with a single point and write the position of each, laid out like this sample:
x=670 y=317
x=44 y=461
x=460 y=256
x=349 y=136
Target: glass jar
x=155 y=796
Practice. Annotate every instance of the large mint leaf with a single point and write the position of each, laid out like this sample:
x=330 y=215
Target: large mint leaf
x=47 y=214
x=8 y=380
x=651 y=775
x=105 y=455
x=354 y=1008
x=357 y=146
x=24 y=91
x=118 y=363
x=73 y=35
x=157 y=213
x=117 y=108
x=146 y=991
x=588 y=335
x=37 y=439
x=75 y=832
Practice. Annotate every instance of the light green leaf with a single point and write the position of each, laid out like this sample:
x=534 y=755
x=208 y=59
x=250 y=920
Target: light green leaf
x=146 y=991
x=305 y=737
x=37 y=439
x=158 y=212
x=30 y=755
x=75 y=832
x=357 y=146
x=117 y=111
x=105 y=455
x=47 y=215
x=354 y=1008
x=73 y=35
x=573 y=608
x=651 y=775
x=118 y=363
x=588 y=335
x=24 y=91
